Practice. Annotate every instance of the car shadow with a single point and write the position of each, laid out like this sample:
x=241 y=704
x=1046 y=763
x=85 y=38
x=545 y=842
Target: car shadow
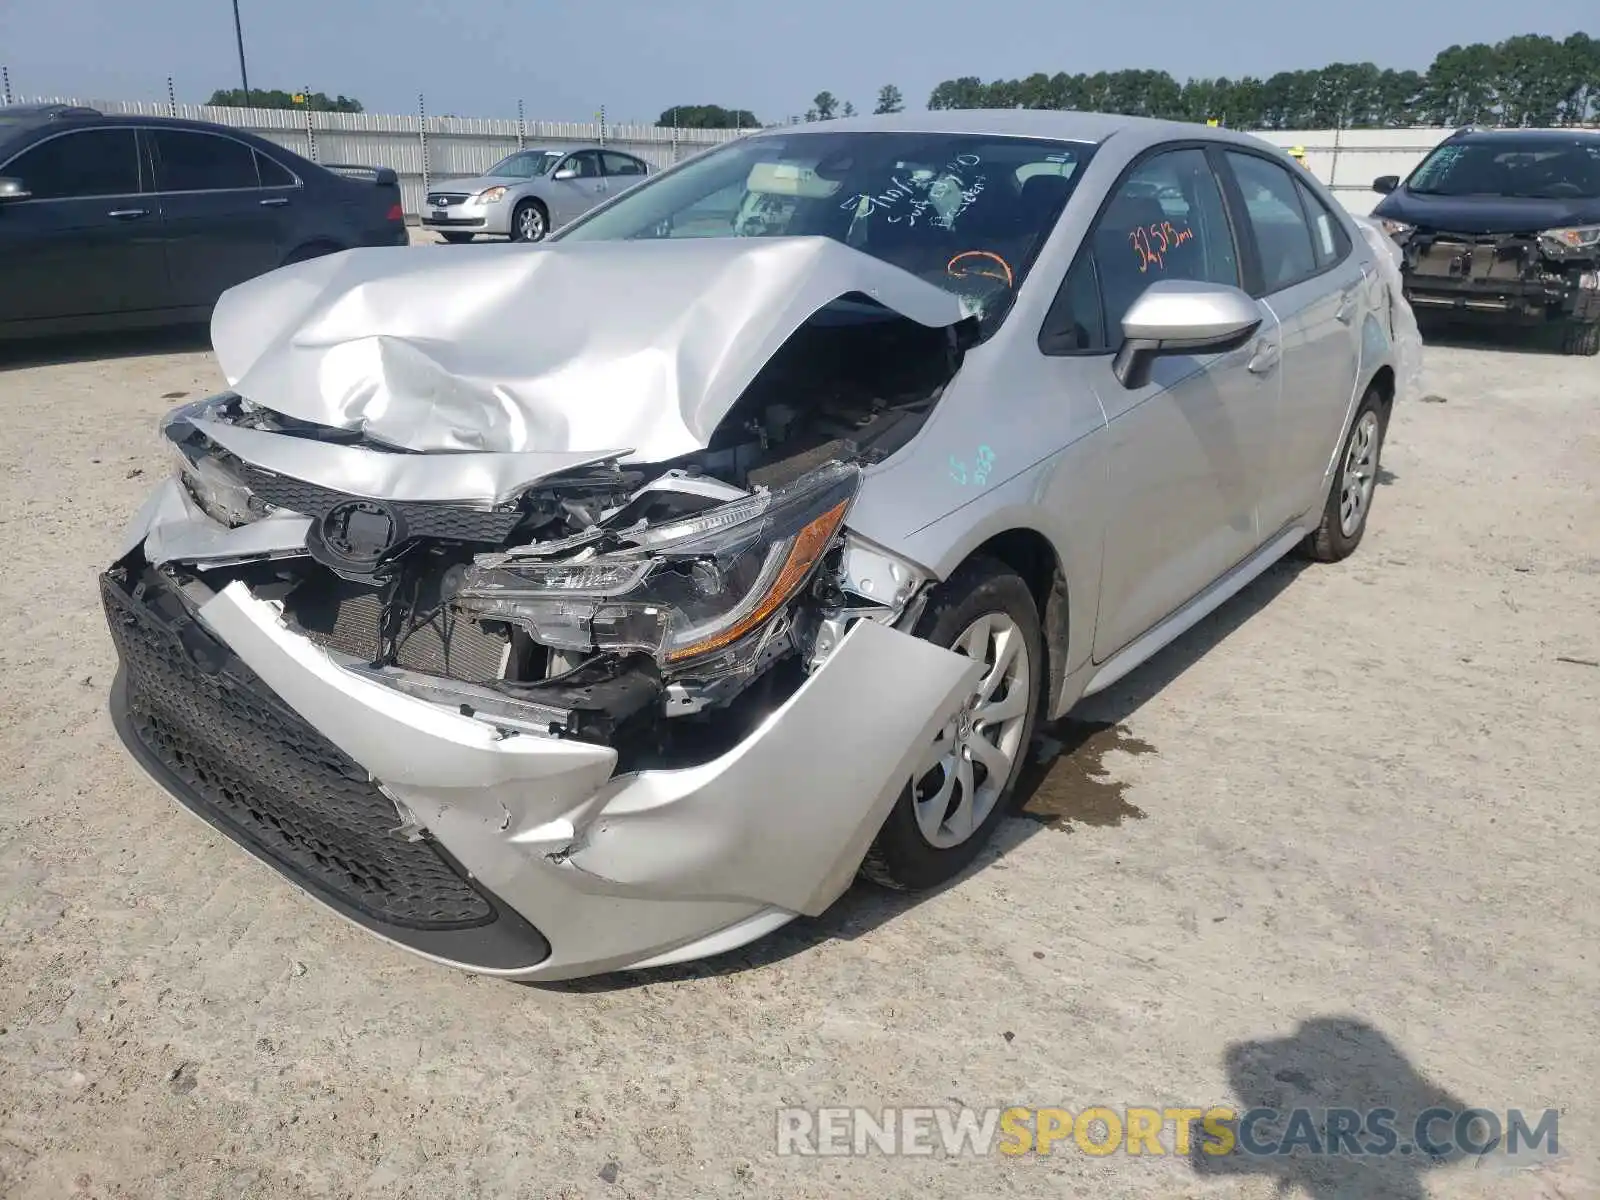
x=1507 y=339
x=1284 y=1128
x=1064 y=787
x=92 y=347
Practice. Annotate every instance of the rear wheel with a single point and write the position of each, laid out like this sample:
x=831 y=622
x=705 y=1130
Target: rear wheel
x=456 y=239
x=1344 y=517
x=530 y=222
x=964 y=779
x=1581 y=340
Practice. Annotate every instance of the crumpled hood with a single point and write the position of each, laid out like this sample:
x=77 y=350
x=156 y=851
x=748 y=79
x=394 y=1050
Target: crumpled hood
x=570 y=347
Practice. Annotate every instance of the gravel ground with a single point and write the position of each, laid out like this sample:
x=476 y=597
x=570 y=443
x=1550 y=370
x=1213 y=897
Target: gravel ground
x=1336 y=846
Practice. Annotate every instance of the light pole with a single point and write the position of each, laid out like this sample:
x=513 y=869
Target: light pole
x=238 y=33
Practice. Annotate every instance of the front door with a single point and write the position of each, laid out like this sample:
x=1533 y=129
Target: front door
x=221 y=226
x=571 y=198
x=87 y=241
x=1184 y=453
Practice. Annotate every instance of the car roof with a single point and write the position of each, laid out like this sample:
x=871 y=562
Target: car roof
x=1566 y=134
x=1055 y=124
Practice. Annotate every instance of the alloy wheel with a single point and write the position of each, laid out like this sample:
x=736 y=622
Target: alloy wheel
x=965 y=769
x=1360 y=474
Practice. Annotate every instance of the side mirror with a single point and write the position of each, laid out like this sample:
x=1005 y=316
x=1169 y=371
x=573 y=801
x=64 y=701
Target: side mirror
x=565 y=173
x=12 y=188
x=1176 y=316
x=1384 y=184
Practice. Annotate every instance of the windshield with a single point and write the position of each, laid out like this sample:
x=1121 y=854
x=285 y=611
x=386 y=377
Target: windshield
x=524 y=165
x=967 y=213
x=1531 y=168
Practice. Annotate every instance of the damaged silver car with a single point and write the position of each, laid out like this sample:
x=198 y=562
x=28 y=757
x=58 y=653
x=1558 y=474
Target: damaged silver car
x=610 y=603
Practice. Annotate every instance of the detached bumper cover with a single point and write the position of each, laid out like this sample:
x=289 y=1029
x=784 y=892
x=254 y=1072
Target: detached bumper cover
x=1495 y=276
x=536 y=862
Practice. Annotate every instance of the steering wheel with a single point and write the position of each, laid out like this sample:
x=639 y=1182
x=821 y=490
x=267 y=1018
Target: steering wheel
x=982 y=264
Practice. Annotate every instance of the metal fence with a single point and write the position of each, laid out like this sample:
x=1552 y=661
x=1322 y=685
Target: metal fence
x=425 y=150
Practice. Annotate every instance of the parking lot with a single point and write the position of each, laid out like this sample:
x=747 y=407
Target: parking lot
x=1336 y=846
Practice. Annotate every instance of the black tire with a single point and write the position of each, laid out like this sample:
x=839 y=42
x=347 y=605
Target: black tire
x=901 y=857
x=1332 y=542
x=456 y=239
x=1581 y=340
x=519 y=219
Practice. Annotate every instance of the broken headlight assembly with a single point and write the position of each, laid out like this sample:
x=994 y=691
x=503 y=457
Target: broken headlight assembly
x=1582 y=241
x=1398 y=230
x=696 y=592
x=211 y=481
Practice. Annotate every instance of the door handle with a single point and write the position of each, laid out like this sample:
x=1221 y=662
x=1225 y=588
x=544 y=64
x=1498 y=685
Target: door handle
x=274 y=202
x=1265 y=358
x=128 y=214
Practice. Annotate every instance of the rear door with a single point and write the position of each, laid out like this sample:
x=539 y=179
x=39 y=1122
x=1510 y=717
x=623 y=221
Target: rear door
x=1305 y=271
x=88 y=241
x=222 y=227
x=571 y=198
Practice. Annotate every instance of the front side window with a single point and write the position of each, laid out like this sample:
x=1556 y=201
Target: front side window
x=1166 y=220
x=1538 y=168
x=965 y=212
x=92 y=162
x=585 y=164
x=529 y=164
x=202 y=162
x=1272 y=206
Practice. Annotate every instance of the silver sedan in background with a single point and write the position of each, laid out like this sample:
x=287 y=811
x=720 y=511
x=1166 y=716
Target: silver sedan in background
x=527 y=194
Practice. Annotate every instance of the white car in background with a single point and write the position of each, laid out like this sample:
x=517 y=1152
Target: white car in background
x=527 y=194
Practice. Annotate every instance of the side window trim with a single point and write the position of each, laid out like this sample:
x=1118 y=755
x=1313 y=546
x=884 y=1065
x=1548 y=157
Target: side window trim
x=139 y=151
x=1258 y=289
x=155 y=156
x=1212 y=152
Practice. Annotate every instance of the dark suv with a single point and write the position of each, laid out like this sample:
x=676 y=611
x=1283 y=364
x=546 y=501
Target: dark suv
x=111 y=221
x=1504 y=224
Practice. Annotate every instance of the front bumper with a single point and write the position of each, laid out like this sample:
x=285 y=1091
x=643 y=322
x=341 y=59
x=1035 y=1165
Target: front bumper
x=1496 y=278
x=511 y=853
x=469 y=216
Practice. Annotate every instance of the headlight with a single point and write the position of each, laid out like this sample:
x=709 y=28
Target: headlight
x=1396 y=229
x=492 y=195
x=213 y=483
x=1577 y=240
x=690 y=591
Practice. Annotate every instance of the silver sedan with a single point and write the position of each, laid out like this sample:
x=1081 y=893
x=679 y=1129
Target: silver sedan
x=527 y=194
x=608 y=606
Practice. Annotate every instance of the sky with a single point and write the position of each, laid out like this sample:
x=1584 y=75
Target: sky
x=639 y=57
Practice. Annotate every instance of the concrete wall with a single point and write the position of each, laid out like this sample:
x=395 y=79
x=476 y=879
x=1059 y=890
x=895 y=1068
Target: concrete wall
x=461 y=147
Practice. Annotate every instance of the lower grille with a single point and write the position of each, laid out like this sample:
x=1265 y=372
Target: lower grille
x=270 y=779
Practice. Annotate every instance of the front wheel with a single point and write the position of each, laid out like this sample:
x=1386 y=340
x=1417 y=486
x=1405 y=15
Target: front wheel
x=964 y=779
x=1344 y=517
x=1583 y=340
x=529 y=223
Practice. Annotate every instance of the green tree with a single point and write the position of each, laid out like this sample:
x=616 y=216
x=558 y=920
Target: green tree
x=707 y=116
x=277 y=98
x=824 y=105
x=849 y=110
x=889 y=100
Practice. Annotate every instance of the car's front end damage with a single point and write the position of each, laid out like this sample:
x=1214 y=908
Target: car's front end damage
x=1528 y=277
x=530 y=673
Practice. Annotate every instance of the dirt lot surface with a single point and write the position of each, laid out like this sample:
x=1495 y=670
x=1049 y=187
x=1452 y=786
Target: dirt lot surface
x=1337 y=847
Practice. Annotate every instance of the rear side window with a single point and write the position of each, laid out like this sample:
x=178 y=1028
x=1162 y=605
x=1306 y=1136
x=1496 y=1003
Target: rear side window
x=92 y=162
x=1329 y=242
x=188 y=161
x=1272 y=206
x=271 y=173
x=621 y=164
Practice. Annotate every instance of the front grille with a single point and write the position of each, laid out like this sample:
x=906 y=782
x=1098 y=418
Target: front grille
x=451 y=522
x=268 y=778
x=446 y=199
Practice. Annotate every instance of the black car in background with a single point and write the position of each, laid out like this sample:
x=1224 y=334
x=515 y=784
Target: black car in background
x=122 y=221
x=1503 y=225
